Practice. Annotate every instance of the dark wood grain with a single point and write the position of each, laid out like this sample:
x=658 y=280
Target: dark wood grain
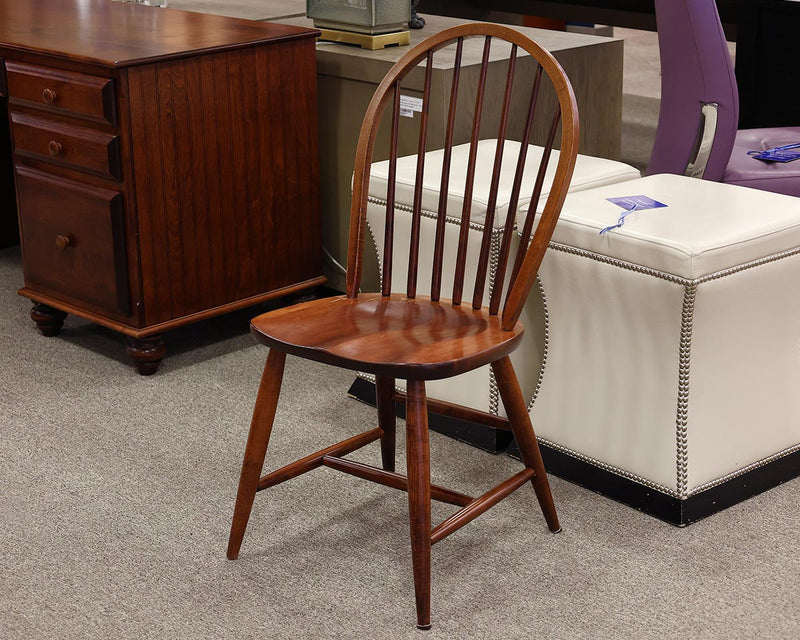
x=314 y=460
x=413 y=254
x=49 y=320
x=530 y=254
x=9 y=231
x=520 y=422
x=462 y=412
x=491 y=206
x=444 y=185
x=384 y=397
x=393 y=480
x=480 y=505
x=116 y=34
x=240 y=184
x=86 y=268
x=60 y=91
x=394 y=337
x=466 y=209
x=419 y=497
x=513 y=202
x=204 y=127
x=76 y=147
x=388 y=232
x=146 y=353
x=256 y=447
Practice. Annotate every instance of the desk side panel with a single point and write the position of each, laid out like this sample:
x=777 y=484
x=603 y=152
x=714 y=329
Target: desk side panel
x=226 y=176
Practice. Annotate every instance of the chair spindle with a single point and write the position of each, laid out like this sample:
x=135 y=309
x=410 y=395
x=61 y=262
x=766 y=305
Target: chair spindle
x=461 y=257
x=508 y=229
x=413 y=255
x=386 y=287
x=525 y=233
x=438 y=248
x=491 y=206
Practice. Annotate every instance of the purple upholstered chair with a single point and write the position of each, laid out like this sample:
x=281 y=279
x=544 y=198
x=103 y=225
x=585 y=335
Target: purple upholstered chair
x=697 y=125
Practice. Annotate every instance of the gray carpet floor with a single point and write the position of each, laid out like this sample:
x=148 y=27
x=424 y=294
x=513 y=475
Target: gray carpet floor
x=117 y=493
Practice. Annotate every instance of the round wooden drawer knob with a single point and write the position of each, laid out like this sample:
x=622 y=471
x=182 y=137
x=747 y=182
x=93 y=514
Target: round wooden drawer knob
x=49 y=96
x=62 y=242
x=54 y=147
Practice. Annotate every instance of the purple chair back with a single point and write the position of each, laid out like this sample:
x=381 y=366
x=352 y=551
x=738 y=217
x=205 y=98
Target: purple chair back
x=696 y=69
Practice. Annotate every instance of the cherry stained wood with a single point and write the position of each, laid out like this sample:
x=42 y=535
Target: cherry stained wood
x=384 y=397
x=48 y=319
x=393 y=480
x=72 y=237
x=413 y=337
x=315 y=460
x=520 y=421
x=206 y=129
x=146 y=353
x=256 y=448
x=116 y=34
x=480 y=505
x=66 y=92
x=418 y=464
x=461 y=412
x=390 y=336
x=80 y=148
x=230 y=208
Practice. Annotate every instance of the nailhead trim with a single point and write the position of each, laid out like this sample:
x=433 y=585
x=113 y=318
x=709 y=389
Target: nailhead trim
x=608 y=467
x=682 y=417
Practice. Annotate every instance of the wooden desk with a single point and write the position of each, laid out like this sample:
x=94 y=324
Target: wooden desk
x=166 y=163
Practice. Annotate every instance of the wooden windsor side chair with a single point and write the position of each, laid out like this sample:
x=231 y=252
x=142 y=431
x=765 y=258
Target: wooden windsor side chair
x=419 y=338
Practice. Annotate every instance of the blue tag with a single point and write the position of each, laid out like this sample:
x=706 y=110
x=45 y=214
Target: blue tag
x=785 y=153
x=631 y=204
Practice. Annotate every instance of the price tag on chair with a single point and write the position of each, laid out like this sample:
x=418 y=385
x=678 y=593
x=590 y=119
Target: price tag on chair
x=785 y=153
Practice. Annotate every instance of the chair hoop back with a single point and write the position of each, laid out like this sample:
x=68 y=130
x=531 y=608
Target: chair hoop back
x=563 y=116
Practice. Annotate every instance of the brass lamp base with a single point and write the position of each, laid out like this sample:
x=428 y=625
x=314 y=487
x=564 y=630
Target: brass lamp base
x=366 y=41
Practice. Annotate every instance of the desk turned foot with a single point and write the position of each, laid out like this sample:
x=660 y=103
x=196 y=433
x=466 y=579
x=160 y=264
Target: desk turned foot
x=146 y=353
x=48 y=319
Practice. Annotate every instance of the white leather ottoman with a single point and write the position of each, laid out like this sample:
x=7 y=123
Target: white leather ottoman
x=672 y=365
x=476 y=388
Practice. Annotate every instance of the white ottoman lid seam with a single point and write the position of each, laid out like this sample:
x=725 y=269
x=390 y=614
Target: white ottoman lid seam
x=664 y=275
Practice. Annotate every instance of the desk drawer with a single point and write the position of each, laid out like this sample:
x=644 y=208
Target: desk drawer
x=67 y=145
x=73 y=239
x=77 y=94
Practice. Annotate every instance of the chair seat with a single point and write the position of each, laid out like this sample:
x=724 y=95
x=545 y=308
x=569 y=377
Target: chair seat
x=389 y=336
x=746 y=171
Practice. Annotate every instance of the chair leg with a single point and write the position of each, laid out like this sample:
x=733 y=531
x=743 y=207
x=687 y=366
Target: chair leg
x=419 y=497
x=384 y=391
x=256 y=449
x=521 y=426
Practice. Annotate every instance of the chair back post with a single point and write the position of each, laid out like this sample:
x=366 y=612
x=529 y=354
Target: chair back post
x=696 y=70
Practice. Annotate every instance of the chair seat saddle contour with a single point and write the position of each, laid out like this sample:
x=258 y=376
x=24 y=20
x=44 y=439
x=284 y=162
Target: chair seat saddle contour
x=409 y=337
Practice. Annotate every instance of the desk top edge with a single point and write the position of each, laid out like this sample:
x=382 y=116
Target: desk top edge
x=116 y=35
